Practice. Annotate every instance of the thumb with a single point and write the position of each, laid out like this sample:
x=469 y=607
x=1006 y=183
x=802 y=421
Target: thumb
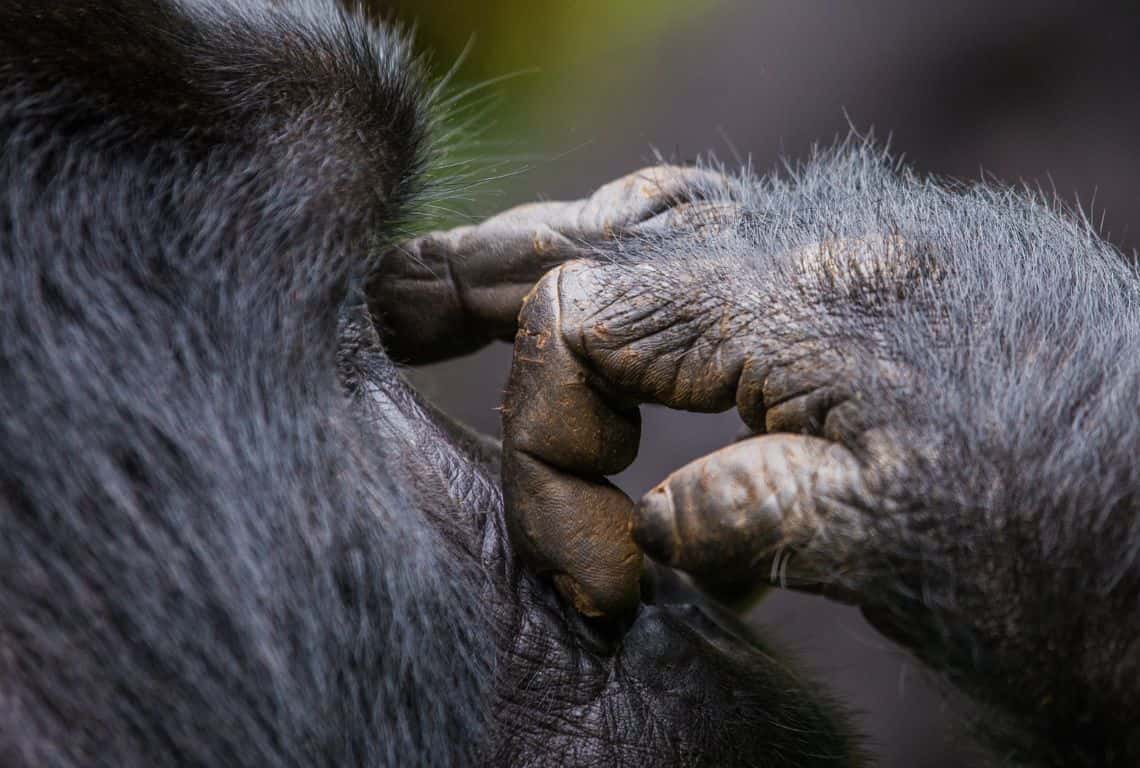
x=781 y=509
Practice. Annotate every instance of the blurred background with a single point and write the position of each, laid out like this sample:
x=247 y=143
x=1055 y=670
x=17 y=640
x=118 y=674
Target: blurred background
x=583 y=91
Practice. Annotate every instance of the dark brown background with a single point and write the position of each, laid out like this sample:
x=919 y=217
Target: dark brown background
x=1039 y=91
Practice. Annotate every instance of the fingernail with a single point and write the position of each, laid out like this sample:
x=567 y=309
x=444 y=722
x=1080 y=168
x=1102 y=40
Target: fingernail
x=655 y=525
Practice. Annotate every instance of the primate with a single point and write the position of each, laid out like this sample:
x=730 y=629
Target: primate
x=232 y=534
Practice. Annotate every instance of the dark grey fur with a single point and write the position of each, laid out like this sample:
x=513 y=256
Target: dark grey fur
x=185 y=202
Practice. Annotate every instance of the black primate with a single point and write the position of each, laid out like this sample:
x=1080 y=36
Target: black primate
x=231 y=534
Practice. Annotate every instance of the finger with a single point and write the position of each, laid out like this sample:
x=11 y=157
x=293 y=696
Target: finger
x=567 y=408
x=449 y=293
x=565 y=427
x=690 y=216
x=561 y=436
x=776 y=509
x=641 y=196
x=575 y=529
